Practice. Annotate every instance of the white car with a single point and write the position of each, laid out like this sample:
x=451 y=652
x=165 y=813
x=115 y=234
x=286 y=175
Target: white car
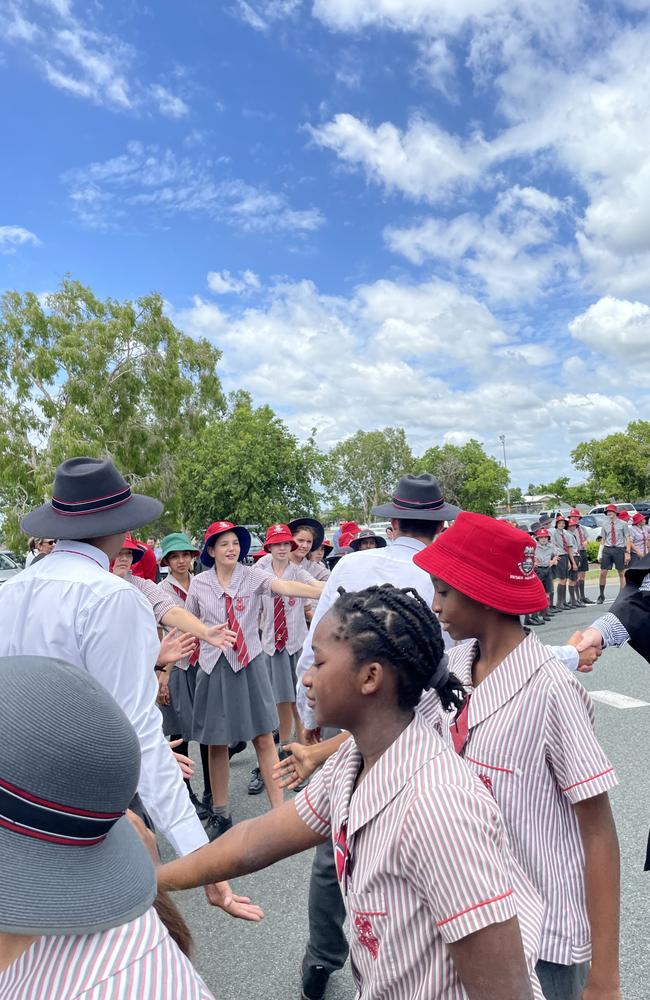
x=621 y=506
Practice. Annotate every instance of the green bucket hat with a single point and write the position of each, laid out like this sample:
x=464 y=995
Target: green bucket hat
x=176 y=542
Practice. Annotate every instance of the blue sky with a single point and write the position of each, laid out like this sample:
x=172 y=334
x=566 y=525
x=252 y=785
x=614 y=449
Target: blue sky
x=427 y=213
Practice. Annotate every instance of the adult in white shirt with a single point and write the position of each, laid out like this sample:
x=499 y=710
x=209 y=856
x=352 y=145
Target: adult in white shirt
x=70 y=607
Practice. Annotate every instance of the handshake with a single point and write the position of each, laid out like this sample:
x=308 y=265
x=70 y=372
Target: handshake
x=589 y=645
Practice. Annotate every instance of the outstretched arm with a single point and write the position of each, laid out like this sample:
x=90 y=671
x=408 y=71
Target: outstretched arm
x=294 y=588
x=250 y=846
x=216 y=635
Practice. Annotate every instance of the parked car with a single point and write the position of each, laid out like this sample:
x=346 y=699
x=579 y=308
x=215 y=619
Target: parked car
x=8 y=565
x=619 y=503
x=593 y=525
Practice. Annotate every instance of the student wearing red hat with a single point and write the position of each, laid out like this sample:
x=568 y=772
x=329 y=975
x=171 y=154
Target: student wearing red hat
x=527 y=731
x=564 y=550
x=577 y=576
x=639 y=538
x=545 y=559
x=617 y=544
x=233 y=700
x=284 y=628
x=320 y=554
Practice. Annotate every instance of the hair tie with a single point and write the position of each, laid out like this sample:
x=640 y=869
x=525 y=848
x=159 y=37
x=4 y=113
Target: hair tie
x=440 y=675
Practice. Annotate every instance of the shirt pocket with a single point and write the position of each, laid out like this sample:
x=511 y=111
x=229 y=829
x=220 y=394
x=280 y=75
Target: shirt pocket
x=370 y=922
x=495 y=767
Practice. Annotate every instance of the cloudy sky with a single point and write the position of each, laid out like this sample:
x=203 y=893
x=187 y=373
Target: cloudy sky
x=428 y=213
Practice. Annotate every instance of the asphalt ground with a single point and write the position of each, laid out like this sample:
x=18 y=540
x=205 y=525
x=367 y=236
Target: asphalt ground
x=241 y=961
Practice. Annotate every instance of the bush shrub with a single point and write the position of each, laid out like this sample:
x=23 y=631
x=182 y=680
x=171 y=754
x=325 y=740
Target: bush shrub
x=592 y=551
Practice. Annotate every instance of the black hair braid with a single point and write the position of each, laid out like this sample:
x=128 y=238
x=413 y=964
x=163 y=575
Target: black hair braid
x=397 y=628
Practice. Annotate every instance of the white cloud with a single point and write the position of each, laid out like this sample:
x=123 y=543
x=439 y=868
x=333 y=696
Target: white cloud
x=225 y=283
x=615 y=327
x=153 y=177
x=513 y=252
x=12 y=237
x=399 y=354
x=168 y=104
x=261 y=14
x=81 y=60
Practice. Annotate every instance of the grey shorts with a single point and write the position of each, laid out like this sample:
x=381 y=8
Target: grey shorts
x=613 y=557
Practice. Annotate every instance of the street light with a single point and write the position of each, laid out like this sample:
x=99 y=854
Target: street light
x=502 y=439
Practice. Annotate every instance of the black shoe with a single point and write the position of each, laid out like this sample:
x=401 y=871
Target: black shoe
x=217 y=825
x=207 y=801
x=201 y=811
x=539 y=619
x=256 y=784
x=236 y=748
x=566 y=606
x=547 y=616
x=314 y=982
x=586 y=600
x=600 y=599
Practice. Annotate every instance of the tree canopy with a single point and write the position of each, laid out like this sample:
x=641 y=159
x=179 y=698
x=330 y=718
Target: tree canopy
x=618 y=465
x=362 y=471
x=82 y=376
x=468 y=476
x=248 y=467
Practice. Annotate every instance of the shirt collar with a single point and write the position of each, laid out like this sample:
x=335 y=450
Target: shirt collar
x=412 y=749
x=509 y=677
x=82 y=549
x=409 y=543
x=215 y=583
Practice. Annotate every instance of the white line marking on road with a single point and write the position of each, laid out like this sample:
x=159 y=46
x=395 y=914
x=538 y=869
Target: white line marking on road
x=617 y=700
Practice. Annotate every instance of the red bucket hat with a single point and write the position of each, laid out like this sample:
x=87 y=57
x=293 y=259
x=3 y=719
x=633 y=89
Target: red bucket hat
x=349 y=528
x=611 y=507
x=543 y=533
x=277 y=534
x=638 y=518
x=346 y=538
x=220 y=528
x=136 y=548
x=575 y=513
x=489 y=561
x=624 y=515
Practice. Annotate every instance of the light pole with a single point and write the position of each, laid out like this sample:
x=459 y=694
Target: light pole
x=502 y=439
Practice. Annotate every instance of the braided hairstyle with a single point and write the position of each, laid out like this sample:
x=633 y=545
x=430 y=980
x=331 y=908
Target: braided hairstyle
x=398 y=629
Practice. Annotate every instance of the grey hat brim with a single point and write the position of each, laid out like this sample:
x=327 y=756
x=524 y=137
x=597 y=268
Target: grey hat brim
x=45 y=522
x=380 y=542
x=445 y=513
x=52 y=889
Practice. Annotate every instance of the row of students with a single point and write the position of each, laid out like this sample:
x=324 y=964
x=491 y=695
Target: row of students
x=520 y=722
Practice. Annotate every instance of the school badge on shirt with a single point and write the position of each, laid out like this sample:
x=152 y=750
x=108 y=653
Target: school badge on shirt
x=239 y=604
x=527 y=564
x=291 y=602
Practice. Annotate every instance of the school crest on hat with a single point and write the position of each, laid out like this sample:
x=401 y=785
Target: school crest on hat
x=527 y=564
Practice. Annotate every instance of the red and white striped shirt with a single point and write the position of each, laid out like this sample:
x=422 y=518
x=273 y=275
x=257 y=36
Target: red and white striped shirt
x=160 y=601
x=177 y=593
x=138 y=959
x=531 y=740
x=294 y=612
x=206 y=600
x=423 y=861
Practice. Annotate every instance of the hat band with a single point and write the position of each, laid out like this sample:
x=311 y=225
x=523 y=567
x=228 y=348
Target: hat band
x=419 y=504
x=41 y=819
x=73 y=507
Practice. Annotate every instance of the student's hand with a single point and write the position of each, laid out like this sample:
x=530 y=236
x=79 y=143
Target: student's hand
x=175 y=646
x=589 y=646
x=296 y=768
x=146 y=835
x=220 y=636
x=163 y=697
x=186 y=764
x=627 y=558
x=220 y=894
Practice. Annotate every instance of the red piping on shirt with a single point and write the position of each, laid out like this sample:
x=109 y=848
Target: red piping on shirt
x=476 y=906
x=317 y=815
x=585 y=780
x=492 y=767
x=370 y=913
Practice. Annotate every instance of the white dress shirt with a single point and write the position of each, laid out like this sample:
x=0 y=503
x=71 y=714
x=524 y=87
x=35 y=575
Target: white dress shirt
x=70 y=607
x=358 y=570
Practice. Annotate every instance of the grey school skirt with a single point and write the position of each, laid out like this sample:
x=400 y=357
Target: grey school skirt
x=282 y=668
x=178 y=715
x=229 y=706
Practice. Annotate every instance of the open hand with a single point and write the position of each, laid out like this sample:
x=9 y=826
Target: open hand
x=220 y=636
x=220 y=894
x=296 y=768
x=186 y=764
x=175 y=646
x=163 y=696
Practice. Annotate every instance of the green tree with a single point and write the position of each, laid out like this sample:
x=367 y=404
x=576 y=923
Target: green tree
x=82 y=376
x=363 y=470
x=581 y=493
x=247 y=467
x=468 y=476
x=516 y=495
x=617 y=465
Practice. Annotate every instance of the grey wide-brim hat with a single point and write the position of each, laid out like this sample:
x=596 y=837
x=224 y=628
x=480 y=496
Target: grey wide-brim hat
x=90 y=498
x=70 y=861
x=380 y=543
x=418 y=498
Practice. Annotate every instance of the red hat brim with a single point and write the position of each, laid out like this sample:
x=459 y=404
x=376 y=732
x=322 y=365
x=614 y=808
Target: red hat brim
x=523 y=597
x=279 y=540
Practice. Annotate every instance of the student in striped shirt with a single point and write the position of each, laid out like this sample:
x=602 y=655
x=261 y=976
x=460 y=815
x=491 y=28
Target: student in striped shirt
x=284 y=628
x=640 y=538
x=527 y=730
x=437 y=905
x=233 y=699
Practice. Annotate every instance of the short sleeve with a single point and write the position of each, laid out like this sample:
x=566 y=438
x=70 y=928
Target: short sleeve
x=261 y=582
x=192 y=604
x=313 y=804
x=452 y=851
x=578 y=761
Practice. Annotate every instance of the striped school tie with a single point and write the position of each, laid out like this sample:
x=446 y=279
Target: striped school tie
x=459 y=729
x=233 y=624
x=279 y=624
x=613 y=534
